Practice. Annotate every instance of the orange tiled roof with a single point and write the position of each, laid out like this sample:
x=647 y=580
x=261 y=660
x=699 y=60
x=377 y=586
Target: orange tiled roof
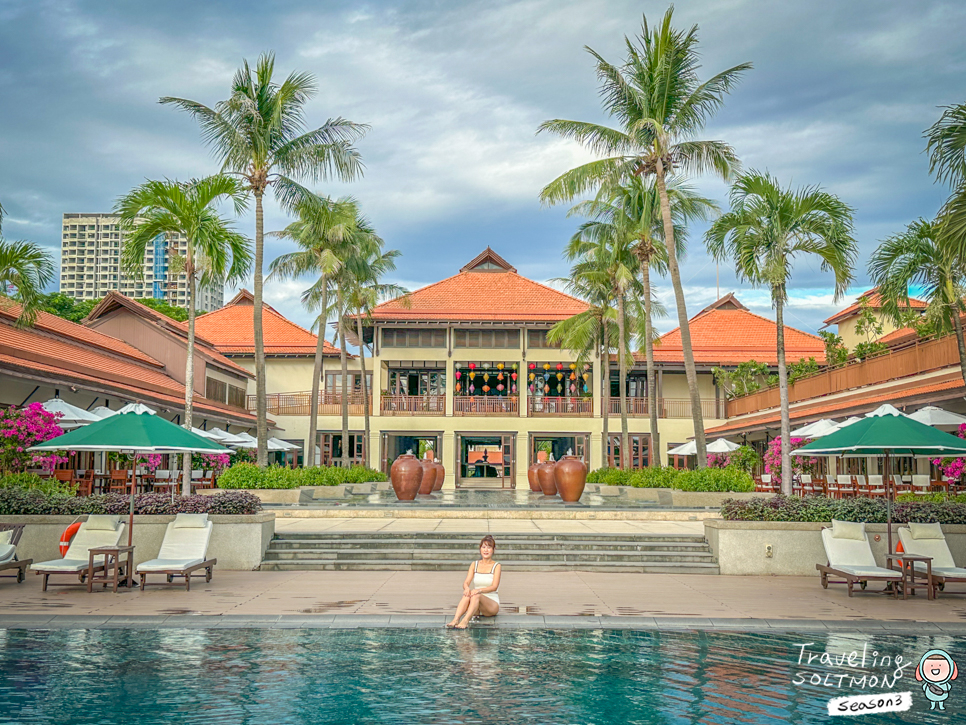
x=822 y=408
x=727 y=333
x=231 y=330
x=874 y=300
x=482 y=295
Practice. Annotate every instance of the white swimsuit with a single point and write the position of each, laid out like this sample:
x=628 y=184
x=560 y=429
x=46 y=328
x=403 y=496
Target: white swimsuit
x=481 y=581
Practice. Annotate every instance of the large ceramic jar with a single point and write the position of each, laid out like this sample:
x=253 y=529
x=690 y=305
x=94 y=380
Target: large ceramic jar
x=545 y=478
x=440 y=475
x=532 y=477
x=405 y=475
x=570 y=475
x=428 y=482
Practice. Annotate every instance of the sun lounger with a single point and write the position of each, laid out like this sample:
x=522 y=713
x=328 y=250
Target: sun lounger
x=94 y=533
x=9 y=538
x=183 y=550
x=850 y=557
x=929 y=540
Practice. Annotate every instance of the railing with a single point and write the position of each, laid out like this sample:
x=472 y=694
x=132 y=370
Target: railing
x=636 y=407
x=486 y=405
x=546 y=405
x=301 y=403
x=681 y=408
x=413 y=405
x=919 y=357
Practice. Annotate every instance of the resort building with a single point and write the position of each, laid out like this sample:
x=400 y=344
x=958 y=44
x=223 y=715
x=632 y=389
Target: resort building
x=464 y=366
x=848 y=321
x=90 y=265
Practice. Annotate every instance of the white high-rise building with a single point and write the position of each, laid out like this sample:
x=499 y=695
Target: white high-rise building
x=90 y=265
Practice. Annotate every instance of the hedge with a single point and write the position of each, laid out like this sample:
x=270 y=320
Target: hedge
x=819 y=509
x=248 y=475
x=34 y=502
x=707 y=479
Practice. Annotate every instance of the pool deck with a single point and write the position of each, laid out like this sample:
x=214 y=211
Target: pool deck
x=485 y=526
x=533 y=600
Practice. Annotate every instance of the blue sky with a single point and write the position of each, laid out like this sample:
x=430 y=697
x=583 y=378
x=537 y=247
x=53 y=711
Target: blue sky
x=839 y=96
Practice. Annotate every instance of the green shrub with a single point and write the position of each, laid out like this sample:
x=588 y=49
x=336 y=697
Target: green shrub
x=35 y=502
x=609 y=476
x=241 y=475
x=654 y=477
x=248 y=475
x=33 y=482
x=715 y=479
x=744 y=458
x=819 y=509
x=280 y=477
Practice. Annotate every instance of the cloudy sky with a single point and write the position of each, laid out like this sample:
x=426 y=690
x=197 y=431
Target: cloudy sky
x=839 y=96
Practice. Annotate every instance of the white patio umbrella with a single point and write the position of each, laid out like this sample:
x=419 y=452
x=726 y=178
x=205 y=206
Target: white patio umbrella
x=846 y=423
x=139 y=408
x=691 y=448
x=291 y=446
x=102 y=411
x=884 y=409
x=937 y=417
x=816 y=429
x=274 y=444
x=204 y=433
x=246 y=440
x=229 y=439
x=71 y=415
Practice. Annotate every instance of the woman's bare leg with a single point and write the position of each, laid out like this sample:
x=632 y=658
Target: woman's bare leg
x=488 y=608
x=470 y=612
x=460 y=610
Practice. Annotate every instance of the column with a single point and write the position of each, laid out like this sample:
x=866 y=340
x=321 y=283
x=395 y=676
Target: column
x=450 y=460
x=450 y=387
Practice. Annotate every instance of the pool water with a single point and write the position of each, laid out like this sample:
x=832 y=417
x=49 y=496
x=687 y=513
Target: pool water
x=436 y=676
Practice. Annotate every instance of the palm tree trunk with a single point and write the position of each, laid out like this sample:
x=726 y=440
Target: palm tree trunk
x=655 y=443
x=672 y=263
x=622 y=376
x=783 y=396
x=958 y=324
x=261 y=410
x=346 y=391
x=189 y=372
x=605 y=444
x=365 y=392
x=311 y=443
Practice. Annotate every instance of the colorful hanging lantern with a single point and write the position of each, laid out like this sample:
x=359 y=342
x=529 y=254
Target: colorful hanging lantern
x=458 y=366
x=559 y=376
x=499 y=366
x=559 y=366
x=486 y=377
x=513 y=389
x=486 y=388
x=500 y=387
x=472 y=389
x=585 y=376
x=472 y=366
x=546 y=366
x=472 y=375
x=532 y=376
x=546 y=388
x=500 y=376
x=573 y=366
x=585 y=388
x=586 y=366
x=573 y=388
x=458 y=374
x=533 y=366
x=530 y=388
x=514 y=366
x=513 y=376
x=573 y=376
x=457 y=387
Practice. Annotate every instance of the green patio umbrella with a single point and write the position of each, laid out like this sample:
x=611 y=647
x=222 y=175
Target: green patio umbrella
x=131 y=433
x=886 y=436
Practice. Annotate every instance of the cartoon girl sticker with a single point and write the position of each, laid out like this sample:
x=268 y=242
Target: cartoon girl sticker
x=936 y=671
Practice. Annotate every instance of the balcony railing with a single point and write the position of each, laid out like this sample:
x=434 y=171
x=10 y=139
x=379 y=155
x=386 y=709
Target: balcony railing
x=413 y=405
x=546 y=405
x=636 y=407
x=919 y=357
x=486 y=405
x=681 y=408
x=301 y=403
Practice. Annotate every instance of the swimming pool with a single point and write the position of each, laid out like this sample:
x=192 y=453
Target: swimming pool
x=415 y=676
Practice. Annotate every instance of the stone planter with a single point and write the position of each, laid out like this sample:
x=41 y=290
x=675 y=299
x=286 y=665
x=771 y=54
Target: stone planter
x=265 y=495
x=405 y=475
x=428 y=482
x=545 y=478
x=570 y=475
x=440 y=476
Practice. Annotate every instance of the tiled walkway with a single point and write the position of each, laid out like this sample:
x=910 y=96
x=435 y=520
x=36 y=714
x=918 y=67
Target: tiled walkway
x=309 y=593
x=487 y=526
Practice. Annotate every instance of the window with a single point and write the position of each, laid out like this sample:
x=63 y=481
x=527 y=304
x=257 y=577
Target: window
x=430 y=337
x=237 y=396
x=216 y=390
x=489 y=339
x=333 y=382
x=538 y=339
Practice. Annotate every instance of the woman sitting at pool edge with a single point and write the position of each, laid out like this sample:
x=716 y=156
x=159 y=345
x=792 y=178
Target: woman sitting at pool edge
x=479 y=588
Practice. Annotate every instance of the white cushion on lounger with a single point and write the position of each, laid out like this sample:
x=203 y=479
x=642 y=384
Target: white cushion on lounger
x=167 y=564
x=876 y=571
x=79 y=551
x=848 y=530
x=105 y=522
x=190 y=521
x=6 y=537
x=181 y=548
x=926 y=531
x=853 y=557
x=6 y=552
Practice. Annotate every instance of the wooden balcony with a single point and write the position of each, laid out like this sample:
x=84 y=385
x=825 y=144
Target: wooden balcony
x=301 y=403
x=570 y=407
x=915 y=359
x=486 y=405
x=412 y=405
x=636 y=407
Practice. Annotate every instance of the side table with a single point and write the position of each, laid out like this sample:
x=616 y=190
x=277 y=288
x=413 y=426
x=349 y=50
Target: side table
x=112 y=565
x=908 y=569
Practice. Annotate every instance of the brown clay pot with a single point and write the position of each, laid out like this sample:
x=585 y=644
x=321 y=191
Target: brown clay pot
x=570 y=475
x=541 y=456
x=532 y=477
x=440 y=476
x=405 y=475
x=429 y=476
x=546 y=479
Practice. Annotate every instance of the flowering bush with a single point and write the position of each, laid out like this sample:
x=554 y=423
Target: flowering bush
x=150 y=462
x=800 y=464
x=821 y=509
x=953 y=467
x=216 y=462
x=21 y=428
x=33 y=502
x=719 y=460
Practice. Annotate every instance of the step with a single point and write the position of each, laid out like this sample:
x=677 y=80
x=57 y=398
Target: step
x=475 y=536
x=460 y=556
x=381 y=543
x=436 y=565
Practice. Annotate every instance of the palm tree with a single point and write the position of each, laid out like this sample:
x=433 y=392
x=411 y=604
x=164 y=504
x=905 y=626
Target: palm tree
x=946 y=146
x=260 y=135
x=368 y=266
x=633 y=209
x=927 y=258
x=215 y=253
x=322 y=231
x=25 y=269
x=661 y=105
x=766 y=229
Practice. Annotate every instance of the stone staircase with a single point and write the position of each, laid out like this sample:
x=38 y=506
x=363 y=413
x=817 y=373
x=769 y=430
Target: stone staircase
x=439 y=551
